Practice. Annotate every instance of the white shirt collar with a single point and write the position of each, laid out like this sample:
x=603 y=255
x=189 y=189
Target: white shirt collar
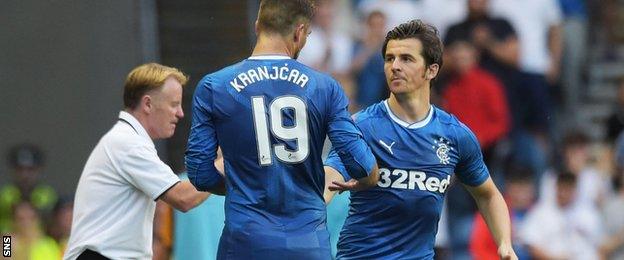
x=402 y=123
x=270 y=57
x=123 y=115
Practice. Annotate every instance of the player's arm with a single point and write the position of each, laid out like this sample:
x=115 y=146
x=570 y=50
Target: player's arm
x=331 y=175
x=348 y=143
x=474 y=175
x=495 y=213
x=337 y=178
x=202 y=145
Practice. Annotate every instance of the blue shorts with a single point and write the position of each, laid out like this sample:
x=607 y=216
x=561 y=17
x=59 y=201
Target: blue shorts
x=243 y=244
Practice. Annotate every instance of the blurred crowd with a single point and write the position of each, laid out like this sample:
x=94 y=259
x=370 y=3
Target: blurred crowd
x=515 y=72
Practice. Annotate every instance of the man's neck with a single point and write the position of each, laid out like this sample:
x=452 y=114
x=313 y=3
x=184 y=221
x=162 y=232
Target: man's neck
x=141 y=118
x=411 y=107
x=271 y=44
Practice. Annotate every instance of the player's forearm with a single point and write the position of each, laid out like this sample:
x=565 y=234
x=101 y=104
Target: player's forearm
x=331 y=175
x=372 y=178
x=205 y=177
x=495 y=213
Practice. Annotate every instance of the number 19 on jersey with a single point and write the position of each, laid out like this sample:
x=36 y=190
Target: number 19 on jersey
x=297 y=132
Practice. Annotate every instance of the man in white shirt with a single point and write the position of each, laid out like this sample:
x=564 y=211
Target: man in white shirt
x=123 y=177
x=562 y=230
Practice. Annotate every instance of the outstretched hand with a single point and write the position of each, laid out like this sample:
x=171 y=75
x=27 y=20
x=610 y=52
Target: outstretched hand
x=351 y=185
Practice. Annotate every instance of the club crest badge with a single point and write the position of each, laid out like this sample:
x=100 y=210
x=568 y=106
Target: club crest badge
x=442 y=148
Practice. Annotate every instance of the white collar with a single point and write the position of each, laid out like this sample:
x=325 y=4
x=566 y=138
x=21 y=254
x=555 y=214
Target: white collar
x=270 y=57
x=402 y=123
x=134 y=123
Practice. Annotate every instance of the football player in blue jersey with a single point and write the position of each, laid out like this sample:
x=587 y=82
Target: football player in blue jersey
x=418 y=148
x=270 y=115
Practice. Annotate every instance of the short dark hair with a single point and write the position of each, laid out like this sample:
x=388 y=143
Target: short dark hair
x=426 y=33
x=575 y=138
x=517 y=173
x=566 y=178
x=25 y=155
x=281 y=16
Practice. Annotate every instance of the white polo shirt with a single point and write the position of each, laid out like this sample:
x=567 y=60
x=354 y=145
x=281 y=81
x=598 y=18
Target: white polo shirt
x=115 y=199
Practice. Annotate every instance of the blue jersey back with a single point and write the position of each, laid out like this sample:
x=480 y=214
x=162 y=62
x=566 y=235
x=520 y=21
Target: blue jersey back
x=270 y=116
x=398 y=218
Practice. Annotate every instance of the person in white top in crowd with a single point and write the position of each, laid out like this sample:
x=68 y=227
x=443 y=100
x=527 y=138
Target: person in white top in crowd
x=612 y=246
x=443 y=13
x=592 y=187
x=123 y=177
x=396 y=11
x=538 y=24
x=326 y=49
x=561 y=230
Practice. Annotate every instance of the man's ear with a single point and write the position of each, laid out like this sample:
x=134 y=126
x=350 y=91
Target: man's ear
x=300 y=32
x=256 y=28
x=432 y=71
x=146 y=103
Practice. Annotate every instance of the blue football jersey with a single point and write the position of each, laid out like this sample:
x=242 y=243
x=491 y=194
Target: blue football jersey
x=398 y=218
x=270 y=116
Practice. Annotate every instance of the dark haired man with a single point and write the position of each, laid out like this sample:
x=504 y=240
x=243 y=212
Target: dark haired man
x=270 y=115
x=418 y=148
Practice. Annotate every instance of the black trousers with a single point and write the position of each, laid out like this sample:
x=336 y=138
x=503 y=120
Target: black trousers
x=91 y=255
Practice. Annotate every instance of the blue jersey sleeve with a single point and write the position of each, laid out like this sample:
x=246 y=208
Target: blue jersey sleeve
x=333 y=160
x=202 y=144
x=346 y=138
x=471 y=169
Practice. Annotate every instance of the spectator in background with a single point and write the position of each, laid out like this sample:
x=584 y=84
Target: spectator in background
x=615 y=122
x=162 y=243
x=591 y=185
x=328 y=50
x=574 y=28
x=61 y=221
x=476 y=97
x=443 y=13
x=538 y=25
x=497 y=44
x=560 y=230
x=612 y=246
x=26 y=162
x=29 y=240
x=520 y=196
x=396 y=11
x=367 y=64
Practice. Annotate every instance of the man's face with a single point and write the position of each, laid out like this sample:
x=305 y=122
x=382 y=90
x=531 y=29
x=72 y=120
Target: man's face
x=405 y=66
x=166 y=109
x=463 y=56
x=576 y=157
x=565 y=194
x=478 y=6
x=27 y=176
x=520 y=193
